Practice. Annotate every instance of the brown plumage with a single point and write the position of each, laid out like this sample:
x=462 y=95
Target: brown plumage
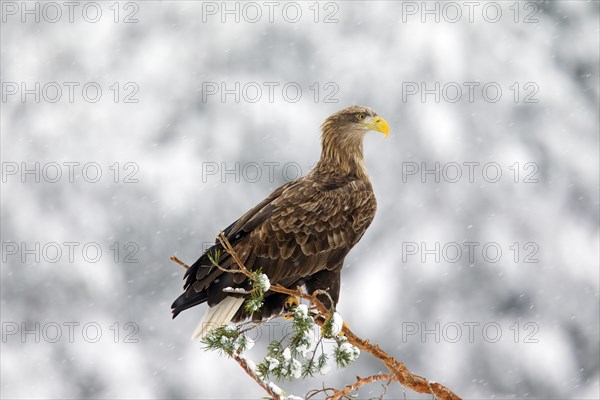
x=302 y=232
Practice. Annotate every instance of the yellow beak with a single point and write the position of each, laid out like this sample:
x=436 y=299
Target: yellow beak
x=380 y=125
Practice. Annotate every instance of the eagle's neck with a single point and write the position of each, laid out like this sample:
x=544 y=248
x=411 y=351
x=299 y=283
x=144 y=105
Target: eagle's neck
x=342 y=154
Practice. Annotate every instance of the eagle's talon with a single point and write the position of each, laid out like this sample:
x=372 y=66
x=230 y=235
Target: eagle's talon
x=291 y=303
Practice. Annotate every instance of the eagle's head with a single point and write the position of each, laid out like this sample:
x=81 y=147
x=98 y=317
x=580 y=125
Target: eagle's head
x=354 y=121
x=342 y=140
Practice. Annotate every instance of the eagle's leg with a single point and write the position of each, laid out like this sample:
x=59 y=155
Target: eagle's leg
x=290 y=303
x=273 y=304
x=329 y=281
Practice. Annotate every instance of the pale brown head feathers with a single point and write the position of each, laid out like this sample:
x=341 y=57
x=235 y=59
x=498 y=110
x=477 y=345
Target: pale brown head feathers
x=342 y=140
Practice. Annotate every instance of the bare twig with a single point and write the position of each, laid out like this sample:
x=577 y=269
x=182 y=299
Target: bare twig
x=360 y=382
x=178 y=261
x=316 y=392
x=385 y=388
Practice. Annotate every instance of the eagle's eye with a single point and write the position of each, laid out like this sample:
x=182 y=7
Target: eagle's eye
x=361 y=117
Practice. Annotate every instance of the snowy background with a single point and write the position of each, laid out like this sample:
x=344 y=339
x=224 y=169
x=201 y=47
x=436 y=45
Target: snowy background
x=523 y=324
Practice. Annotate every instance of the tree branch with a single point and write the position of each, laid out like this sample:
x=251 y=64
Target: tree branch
x=399 y=372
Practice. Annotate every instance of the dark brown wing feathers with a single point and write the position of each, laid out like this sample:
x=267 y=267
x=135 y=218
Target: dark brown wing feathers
x=301 y=230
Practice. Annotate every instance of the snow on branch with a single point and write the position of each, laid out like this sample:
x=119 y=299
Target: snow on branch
x=302 y=355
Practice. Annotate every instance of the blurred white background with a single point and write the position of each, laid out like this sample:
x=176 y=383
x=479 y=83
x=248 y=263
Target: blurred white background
x=538 y=300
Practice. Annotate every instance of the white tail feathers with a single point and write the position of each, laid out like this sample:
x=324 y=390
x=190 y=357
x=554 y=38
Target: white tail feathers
x=217 y=316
